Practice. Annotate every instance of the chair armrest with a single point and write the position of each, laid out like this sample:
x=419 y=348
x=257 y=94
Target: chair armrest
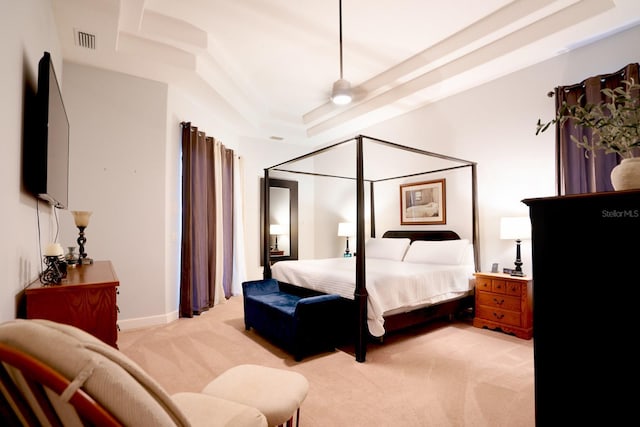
x=260 y=287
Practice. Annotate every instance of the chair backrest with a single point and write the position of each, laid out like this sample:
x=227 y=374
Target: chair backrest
x=55 y=374
x=27 y=384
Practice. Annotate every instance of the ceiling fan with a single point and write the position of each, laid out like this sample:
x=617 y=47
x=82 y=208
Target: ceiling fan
x=342 y=93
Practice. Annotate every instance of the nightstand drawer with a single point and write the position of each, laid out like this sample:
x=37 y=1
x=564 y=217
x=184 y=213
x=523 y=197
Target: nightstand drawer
x=498 y=286
x=496 y=315
x=504 y=302
x=513 y=288
x=483 y=284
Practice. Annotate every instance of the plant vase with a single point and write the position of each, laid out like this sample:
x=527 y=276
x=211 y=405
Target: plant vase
x=626 y=175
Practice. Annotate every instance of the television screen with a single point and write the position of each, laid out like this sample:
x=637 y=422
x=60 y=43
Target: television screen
x=47 y=158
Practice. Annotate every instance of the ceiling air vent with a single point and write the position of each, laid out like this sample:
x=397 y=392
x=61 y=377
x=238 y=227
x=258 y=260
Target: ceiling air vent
x=85 y=40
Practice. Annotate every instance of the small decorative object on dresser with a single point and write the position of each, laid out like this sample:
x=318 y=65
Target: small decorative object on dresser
x=504 y=302
x=56 y=267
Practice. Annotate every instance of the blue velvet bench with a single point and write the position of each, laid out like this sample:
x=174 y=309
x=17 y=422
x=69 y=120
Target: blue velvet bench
x=301 y=325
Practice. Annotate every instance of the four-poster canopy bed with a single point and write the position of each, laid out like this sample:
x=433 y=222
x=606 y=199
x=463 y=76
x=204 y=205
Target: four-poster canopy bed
x=411 y=162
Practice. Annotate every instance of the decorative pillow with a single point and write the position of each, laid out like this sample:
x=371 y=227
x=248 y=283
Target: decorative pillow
x=437 y=252
x=386 y=248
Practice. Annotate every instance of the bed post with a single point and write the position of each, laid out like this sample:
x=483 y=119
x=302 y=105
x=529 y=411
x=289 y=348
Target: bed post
x=474 y=215
x=266 y=255
x=360 y=294
x=372 y=211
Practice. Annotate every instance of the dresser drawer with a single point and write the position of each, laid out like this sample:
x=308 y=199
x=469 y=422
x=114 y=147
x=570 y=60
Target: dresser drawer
x=497 y=315
x=505 y=302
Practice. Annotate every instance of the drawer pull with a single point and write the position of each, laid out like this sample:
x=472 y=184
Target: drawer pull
x=498 y=316
x=498 y=302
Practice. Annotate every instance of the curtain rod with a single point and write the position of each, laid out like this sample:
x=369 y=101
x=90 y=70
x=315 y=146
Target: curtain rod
x=603 y=77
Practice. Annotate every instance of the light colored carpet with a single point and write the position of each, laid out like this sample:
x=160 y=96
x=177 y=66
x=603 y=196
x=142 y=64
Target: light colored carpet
x=445 y=374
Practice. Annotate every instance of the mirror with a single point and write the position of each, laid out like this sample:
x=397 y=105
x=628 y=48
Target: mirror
x=283 y=219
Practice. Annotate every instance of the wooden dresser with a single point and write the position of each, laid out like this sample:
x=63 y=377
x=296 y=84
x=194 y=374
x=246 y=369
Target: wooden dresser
x=585 y=255
x=86 y=298
x=504 y=302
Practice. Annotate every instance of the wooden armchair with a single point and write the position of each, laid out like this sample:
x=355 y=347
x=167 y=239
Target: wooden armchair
x=58 y=375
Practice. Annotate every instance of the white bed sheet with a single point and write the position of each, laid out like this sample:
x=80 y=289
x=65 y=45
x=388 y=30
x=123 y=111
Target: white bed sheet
x=391 y=285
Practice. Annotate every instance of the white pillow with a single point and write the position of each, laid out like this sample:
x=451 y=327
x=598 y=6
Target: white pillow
x=386 y=248
x=468 y=257
x=438 y=252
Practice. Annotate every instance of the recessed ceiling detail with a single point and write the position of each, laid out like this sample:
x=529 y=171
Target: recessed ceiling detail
x=272 y=63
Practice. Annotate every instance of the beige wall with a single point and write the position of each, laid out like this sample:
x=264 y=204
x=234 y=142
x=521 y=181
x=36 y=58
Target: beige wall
x=28 y=30
x=117 y=170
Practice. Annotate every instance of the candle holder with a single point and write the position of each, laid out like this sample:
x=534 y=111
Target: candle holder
x=56 y=270
x=81 y=218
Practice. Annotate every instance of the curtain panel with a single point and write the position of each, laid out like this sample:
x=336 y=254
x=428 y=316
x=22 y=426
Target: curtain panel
x=207 y=222
x=578 y=171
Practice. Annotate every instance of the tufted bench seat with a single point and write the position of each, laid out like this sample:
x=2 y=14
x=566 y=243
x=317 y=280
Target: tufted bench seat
x=301 y=325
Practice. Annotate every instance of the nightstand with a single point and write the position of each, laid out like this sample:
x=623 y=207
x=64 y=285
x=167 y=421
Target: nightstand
x=504 y=302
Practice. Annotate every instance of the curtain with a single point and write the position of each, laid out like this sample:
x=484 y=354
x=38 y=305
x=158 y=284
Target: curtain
x=578 y=171
x=239 y=265
x=207 y=222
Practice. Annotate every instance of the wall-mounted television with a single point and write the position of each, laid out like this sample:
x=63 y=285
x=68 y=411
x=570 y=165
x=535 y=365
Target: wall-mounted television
x=47 y=153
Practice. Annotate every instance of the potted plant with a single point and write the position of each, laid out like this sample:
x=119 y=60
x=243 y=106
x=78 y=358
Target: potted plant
x=615 y=128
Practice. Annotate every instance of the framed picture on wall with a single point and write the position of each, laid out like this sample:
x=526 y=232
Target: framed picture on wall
x=423 y=203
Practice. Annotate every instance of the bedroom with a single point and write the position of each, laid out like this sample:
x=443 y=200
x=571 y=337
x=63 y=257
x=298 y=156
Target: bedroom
x=138 y=156
x=124 y=167
x=513 y=163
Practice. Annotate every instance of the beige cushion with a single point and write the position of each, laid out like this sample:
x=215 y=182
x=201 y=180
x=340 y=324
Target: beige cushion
x=277 y=393
x=111 y=378
x=206 y=411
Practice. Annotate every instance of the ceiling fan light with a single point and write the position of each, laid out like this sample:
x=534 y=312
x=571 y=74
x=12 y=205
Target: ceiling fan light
x=341 y=94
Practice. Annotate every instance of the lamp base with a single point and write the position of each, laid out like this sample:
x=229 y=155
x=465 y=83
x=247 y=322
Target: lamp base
x=518 y=270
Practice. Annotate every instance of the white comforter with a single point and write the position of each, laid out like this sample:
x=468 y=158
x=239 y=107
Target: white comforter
x=393 y=286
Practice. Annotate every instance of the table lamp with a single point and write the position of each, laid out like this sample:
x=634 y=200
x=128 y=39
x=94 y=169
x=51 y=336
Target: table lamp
x=516 y=228
x=276 y=230
x=346 y=229
x=81 y=218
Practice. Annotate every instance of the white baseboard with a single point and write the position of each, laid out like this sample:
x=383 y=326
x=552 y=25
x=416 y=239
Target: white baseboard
x=145 y=322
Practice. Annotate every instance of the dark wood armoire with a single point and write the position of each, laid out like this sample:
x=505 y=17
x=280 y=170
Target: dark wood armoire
x=586 y=259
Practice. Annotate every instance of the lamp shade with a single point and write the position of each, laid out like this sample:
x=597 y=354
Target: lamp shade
x=81 y=218
x=515 y=228
x=346 y=229
x=277 y=230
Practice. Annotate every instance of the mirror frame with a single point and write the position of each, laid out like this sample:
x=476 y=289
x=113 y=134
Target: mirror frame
x=293 y=219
